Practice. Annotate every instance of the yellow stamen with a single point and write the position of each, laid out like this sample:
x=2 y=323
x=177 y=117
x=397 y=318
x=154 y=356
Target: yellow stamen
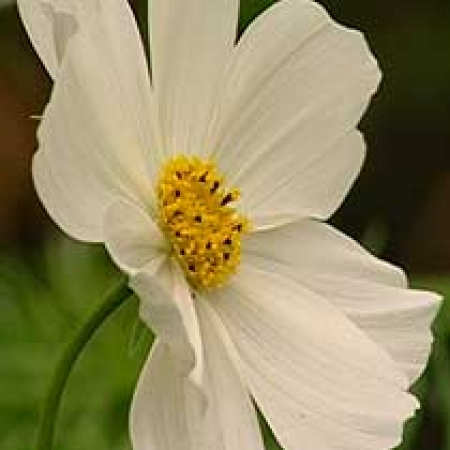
x=197 y=215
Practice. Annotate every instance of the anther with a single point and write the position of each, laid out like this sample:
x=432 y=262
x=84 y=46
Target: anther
x=216 y=185
x=227 y=241
x=227 y=199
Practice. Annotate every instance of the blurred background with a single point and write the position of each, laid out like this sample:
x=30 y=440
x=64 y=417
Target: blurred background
x=399 y=208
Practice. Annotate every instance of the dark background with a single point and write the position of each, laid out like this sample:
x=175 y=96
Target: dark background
x=399 y=208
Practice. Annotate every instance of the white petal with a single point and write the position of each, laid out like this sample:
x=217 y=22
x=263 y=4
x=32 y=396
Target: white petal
x=167 y=415
x=298 y=188
x=372 y=293
x=50 y=24
x=316 y=377
x=97 y=131
x=167 y=308
x=316 y=247
x=133 y=240
x=164 y=405
x=71 y=209
x=230 y=422
x=190 y=44
x=296 y=88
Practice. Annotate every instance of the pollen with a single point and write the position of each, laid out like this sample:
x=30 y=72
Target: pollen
x=196 y=213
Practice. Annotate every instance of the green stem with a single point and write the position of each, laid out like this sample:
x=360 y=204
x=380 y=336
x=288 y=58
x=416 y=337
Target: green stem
x=113 y=299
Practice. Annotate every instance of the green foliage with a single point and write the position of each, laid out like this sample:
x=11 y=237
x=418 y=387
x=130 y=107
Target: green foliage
x=41 y=307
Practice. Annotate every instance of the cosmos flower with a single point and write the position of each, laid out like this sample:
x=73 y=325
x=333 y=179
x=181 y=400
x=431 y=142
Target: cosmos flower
x=209 y=181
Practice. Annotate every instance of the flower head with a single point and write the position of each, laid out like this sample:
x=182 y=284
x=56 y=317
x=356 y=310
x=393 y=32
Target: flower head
x=207 y=182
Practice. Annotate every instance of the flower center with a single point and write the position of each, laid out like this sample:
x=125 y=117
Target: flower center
x=197 y=215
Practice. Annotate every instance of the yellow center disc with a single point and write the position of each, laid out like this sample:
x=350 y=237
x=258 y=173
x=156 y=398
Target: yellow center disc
x=197 y=215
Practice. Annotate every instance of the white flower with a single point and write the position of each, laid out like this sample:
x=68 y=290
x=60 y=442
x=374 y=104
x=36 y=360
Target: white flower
x=250 y=296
